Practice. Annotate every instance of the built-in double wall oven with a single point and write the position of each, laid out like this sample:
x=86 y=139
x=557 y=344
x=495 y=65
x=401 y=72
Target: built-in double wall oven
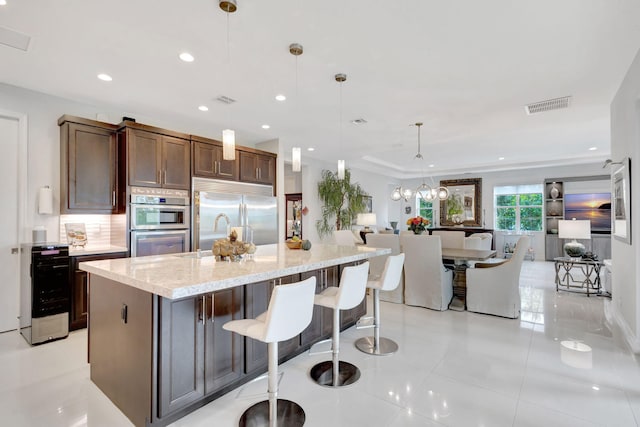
x=159 y=221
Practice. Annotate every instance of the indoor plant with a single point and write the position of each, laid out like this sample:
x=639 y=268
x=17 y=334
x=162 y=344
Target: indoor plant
x=341 y=202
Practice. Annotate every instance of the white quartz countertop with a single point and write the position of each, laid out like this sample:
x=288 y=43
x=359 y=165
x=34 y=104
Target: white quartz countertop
x=183 y=275
x=95 y=250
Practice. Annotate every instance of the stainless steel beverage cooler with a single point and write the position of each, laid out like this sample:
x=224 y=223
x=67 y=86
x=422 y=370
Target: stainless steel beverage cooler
x=44 y=292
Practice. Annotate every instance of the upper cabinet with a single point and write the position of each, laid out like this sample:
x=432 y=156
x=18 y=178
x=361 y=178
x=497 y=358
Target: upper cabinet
x=257 y=167
x=207 y=161
x=88 y=167
x=156 y=159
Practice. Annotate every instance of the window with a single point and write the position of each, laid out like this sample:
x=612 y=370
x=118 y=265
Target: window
x=518 y=208
x=425 y=209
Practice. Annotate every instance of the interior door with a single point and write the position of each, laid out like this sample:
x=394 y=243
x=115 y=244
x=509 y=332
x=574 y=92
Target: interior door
x=9 y=262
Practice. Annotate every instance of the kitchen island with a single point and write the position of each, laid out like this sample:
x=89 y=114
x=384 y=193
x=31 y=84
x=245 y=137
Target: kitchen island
x=156 y=344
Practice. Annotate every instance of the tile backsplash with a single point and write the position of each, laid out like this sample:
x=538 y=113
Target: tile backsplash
x=102 y=230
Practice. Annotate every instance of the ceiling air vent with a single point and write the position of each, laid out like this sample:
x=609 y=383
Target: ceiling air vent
x=548 y=105
x=358 y=121
x=225 y=99
x=14 y=39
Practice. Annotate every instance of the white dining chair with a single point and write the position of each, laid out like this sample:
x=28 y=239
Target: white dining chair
x=391 y=241
x=495 y=288
x=344 y=238
x=427 y=283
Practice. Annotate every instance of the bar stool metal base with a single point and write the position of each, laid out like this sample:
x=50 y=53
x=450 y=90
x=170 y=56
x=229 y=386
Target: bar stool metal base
x=385 y=346
x=322 y=373
x=290 y=414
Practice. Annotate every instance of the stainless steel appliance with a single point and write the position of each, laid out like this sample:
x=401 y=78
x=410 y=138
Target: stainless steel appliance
x=218 y=204
x=44 y=292
x=159 y=221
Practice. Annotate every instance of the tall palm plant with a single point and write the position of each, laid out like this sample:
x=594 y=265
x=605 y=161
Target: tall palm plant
x=341 y=202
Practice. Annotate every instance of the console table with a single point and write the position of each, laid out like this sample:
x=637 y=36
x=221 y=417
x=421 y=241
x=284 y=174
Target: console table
x=566 y=268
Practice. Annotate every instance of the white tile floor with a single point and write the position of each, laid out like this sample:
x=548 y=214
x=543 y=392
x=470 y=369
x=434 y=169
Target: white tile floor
x=453 y=369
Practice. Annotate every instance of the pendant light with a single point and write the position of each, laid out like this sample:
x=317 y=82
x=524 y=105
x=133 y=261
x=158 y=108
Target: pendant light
x=228 y=135
x=341 y=78
x=296 y=50
x=424 y=191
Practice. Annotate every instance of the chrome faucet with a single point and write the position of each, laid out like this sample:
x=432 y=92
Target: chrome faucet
x=215 y=224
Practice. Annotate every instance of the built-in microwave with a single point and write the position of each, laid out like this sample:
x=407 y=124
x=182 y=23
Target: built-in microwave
x=159 y=209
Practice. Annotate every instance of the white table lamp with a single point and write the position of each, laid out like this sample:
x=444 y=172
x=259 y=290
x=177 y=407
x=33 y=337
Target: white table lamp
x=366 y=219
x=574 y=229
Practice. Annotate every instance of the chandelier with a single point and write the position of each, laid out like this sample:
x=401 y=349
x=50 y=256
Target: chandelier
x=426 y=192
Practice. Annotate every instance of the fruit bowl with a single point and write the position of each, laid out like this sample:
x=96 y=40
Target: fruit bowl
x=294 y=244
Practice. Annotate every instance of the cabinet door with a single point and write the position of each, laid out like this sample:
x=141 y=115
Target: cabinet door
x=321 y=323
x=176 y=170
x=79 y=306
x=553 y=247
x=145 y=158
x=208 y=162
x=257 y=168
x=248 y=167
x=79 y=302
x=181 y=353
x=224 y=350
x=89 y=179
x=256 y=302
x=266 y=169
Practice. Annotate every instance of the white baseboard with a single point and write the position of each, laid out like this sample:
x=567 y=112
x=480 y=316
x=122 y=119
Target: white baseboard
x=613 y=317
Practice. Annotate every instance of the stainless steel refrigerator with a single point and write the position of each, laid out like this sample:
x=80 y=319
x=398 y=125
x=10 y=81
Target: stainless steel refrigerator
x=218 y=204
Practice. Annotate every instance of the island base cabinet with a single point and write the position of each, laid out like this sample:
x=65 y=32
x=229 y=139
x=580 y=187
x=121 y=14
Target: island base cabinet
x=181 y=354
x=224 y=350
x=322 y=322
x=197 y=356
x=120 y=343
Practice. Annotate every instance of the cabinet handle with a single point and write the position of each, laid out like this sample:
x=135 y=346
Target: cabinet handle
x=164 y=179
x=113 y=199
x=203 y=308
x=124 y=315
x=159 y=176
x=257 y=174
x=212 y=309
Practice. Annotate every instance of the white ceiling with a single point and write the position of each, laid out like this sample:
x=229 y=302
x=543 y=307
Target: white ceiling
x=465 y=68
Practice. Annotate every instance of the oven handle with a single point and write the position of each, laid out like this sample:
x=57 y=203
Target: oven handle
x=156 y=232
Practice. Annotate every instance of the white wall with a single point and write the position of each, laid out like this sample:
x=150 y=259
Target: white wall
x=625 y=142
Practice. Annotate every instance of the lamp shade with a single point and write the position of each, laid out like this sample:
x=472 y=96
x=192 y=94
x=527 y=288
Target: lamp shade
x=295 y=159
x=366 y=219
x=574 y=229
x=228 y=144
x=340 y=169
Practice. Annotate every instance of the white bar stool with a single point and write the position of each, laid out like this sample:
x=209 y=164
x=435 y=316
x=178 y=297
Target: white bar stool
x=353 y=284
x=289 y=313
x=388 y=281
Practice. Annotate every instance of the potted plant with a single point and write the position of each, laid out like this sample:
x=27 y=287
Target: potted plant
x=341 y=201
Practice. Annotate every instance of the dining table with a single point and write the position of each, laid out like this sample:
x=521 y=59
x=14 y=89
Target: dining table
x=461 y=258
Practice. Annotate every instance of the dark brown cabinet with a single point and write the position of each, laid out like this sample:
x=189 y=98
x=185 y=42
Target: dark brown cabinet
x=88 y=167
x=79 y=306
x=257 y=167
x=208 y=161
x=197 y=356
x=157 y=160
x=322 y=322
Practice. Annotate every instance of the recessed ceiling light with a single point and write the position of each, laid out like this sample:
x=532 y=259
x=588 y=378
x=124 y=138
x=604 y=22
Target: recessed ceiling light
x=595 y=387
x=500 y=158
x=203 y=108
x=311 y=149
x=186 y=57
x=593 y=148
x=3 y=2
x=105 y=77
x=280 y=97
x=432 y=165
x=266 y=126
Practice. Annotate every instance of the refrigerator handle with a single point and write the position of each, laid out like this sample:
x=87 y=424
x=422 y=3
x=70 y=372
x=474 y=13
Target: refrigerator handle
x=246 y=214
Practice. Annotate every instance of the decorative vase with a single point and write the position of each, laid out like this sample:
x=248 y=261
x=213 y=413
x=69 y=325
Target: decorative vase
x=416 y=231
x=554 y=192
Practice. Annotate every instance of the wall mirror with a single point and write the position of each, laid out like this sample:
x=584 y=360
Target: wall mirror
x=463 y=207
x=294 y=215
x=621 y=197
